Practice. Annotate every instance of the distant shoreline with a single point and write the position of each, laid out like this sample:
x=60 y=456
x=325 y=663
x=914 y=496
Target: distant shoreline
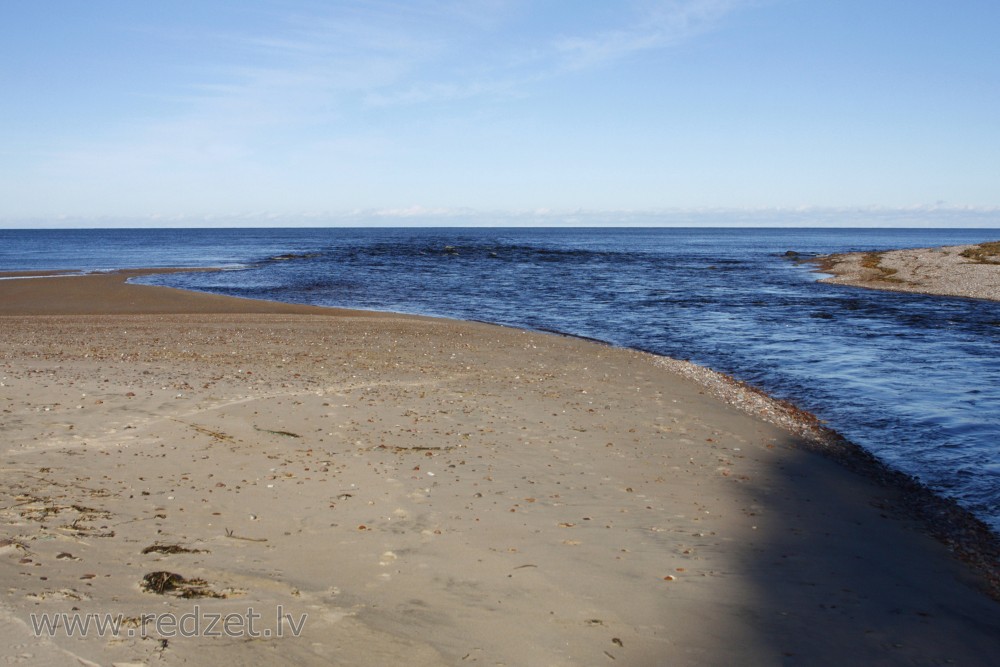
x=971 y=271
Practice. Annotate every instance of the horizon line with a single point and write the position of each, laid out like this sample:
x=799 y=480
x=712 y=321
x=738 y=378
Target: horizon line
x=927 y=215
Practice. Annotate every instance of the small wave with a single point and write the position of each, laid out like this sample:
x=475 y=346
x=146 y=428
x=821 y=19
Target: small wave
x=47 y=275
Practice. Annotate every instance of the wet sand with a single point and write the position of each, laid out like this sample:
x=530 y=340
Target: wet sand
x=966 y=270
x=429 y=492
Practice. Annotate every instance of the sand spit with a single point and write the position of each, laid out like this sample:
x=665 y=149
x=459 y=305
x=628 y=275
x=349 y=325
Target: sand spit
x=396 y=490
x=965 y=270
x=111 y=294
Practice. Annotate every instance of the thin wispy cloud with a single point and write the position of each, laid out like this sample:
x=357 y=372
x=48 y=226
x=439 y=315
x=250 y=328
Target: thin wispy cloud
x=394 y=53
x=662 y=24
x=477 y=105
x=512 y=69
x=929 y=215
x=284 y=93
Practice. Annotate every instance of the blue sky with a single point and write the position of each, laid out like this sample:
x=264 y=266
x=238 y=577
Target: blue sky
x=499 y=111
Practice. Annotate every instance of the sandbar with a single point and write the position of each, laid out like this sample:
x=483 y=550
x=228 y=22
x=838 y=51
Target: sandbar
x=971 y=271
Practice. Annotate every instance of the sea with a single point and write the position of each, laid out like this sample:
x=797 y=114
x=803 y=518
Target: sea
x=914 y=379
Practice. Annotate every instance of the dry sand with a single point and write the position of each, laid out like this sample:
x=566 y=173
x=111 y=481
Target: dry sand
x=944 y=271
x=429 y=492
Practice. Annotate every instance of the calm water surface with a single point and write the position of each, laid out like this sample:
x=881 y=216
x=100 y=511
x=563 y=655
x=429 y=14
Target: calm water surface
x=914 y=379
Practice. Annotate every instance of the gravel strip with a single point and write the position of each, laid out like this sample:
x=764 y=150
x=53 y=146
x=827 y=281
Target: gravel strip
x=966 y=536
x=943 y=271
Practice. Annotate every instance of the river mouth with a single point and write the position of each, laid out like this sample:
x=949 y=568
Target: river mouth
x=913 y=379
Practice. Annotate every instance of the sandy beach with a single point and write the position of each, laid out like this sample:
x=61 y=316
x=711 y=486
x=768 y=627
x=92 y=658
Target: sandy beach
x=965 y=270
x=338 y=487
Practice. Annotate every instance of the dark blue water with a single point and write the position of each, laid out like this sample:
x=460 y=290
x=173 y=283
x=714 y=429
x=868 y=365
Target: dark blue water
x=914 y=379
